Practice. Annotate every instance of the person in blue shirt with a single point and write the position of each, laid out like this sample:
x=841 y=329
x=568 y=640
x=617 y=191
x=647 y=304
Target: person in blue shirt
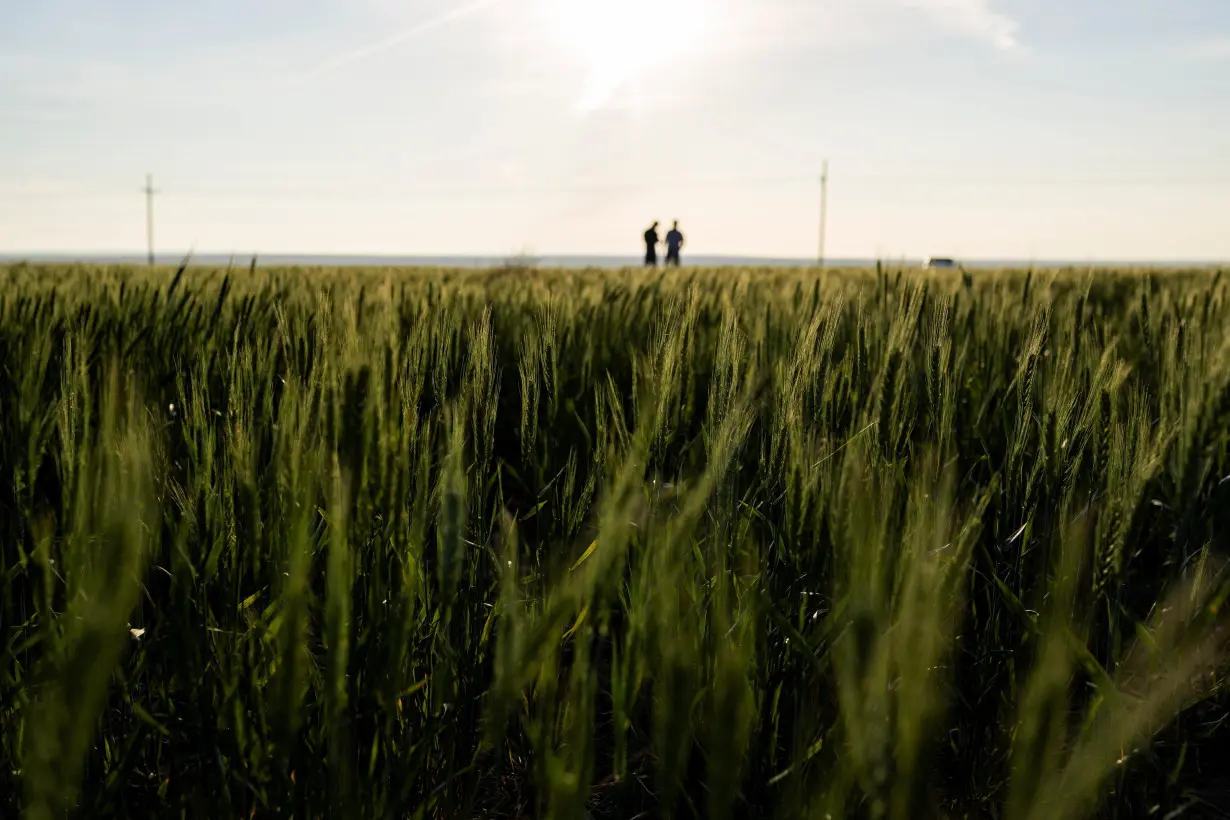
x=674 y=241
x=651 y=246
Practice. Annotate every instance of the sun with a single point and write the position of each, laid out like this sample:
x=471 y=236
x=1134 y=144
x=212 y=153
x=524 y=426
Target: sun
x=617 y=41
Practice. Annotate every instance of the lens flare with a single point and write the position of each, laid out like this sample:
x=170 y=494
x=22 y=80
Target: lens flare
x=617 y=41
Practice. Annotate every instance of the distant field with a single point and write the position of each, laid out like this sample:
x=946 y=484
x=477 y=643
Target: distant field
x=711 y=543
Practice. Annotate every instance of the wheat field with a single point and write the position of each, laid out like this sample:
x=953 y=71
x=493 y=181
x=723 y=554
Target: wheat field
x=711 y=543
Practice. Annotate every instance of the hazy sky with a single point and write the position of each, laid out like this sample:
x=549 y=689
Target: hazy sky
x=1078 y=129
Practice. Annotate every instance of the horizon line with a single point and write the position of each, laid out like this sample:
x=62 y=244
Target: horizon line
x=142 y=255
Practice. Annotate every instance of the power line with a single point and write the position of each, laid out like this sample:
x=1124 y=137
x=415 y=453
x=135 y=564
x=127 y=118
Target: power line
x=936 y=181
x=730 y=183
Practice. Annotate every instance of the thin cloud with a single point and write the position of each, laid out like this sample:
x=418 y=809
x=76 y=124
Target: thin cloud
x=38 y=114
x=40 y=187
x=975 y=19
x=855 y=25
x=412 y=33
x=1216 y=49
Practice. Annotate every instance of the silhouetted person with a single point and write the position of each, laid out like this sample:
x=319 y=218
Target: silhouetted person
x=674 y=241
x=651 y=245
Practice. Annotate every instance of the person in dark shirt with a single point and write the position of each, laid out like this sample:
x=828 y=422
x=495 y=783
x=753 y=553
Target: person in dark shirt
x=674 y=241
x=651 y=245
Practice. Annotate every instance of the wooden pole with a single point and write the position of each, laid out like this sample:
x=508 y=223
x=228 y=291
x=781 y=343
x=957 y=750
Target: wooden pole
x=149 y=192
x=824 y=206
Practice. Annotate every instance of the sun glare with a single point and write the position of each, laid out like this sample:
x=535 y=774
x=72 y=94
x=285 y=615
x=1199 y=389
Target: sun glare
x=618 y=41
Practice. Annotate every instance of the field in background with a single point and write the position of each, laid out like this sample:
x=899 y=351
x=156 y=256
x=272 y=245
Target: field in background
x=758 y=543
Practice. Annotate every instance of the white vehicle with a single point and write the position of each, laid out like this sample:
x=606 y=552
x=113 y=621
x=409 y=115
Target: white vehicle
x=939 y=262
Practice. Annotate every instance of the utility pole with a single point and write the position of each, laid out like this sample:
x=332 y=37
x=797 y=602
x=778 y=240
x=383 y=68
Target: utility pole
x=824 y=206
x=149 y=192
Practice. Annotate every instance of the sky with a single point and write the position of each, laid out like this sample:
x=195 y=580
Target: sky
x=1022 y=129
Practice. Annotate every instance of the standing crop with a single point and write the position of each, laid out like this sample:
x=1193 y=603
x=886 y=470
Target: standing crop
x=720 y=543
